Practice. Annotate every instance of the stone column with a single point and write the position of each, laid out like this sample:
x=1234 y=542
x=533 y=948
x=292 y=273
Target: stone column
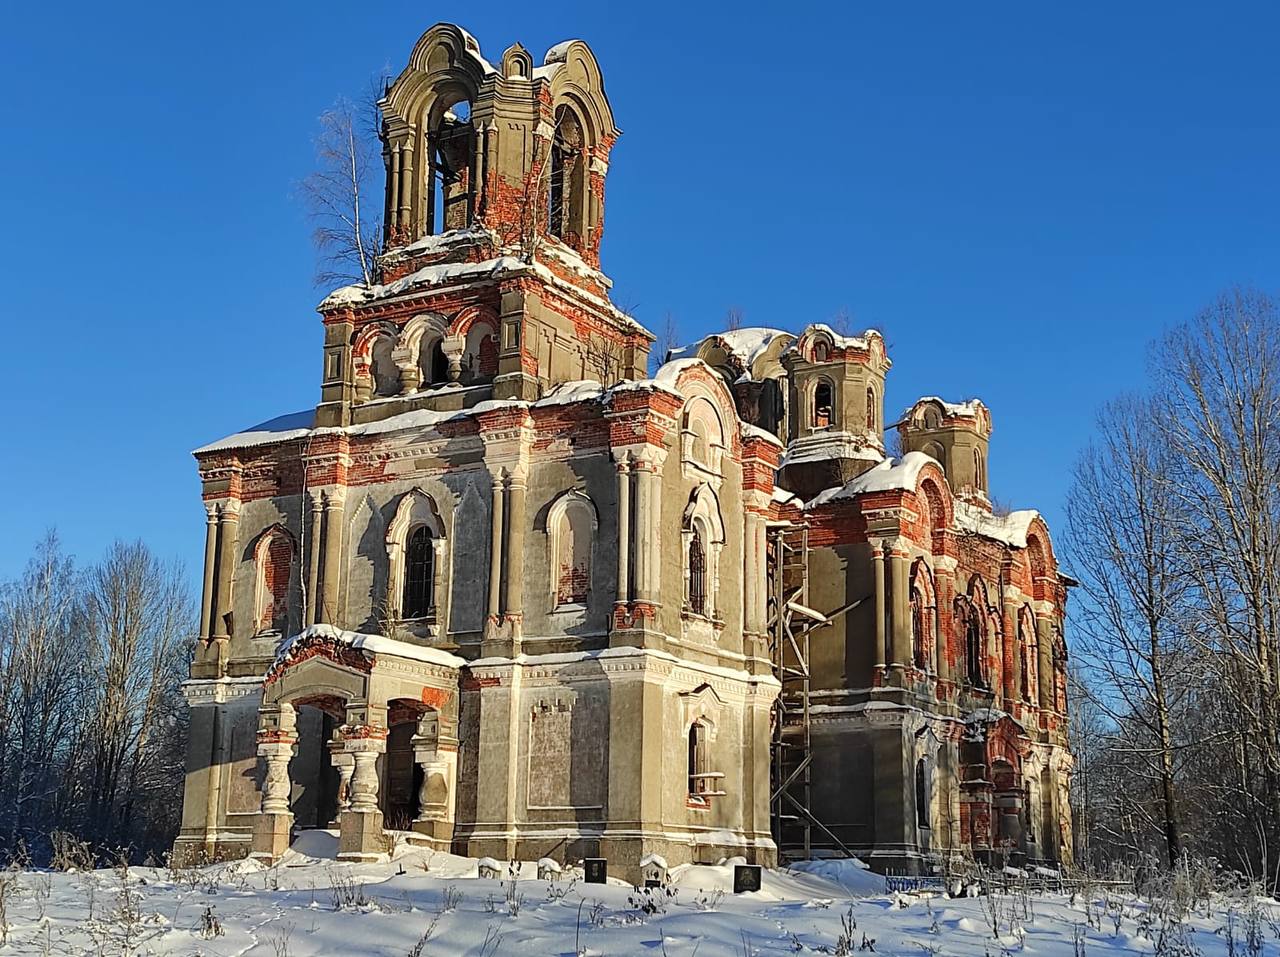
x=877 y=574
x=1012 y=652
x=435 y=749
x=313 y=557
x=749 y=568
x=513 y=598
x=900 y=614
x=624 y=531
x=406 y=187
x=393 y=194
x=1044 y=677
x=495 y=549
x=942 y=620
x=277 y=741
x=360 y=830
x=334 y=501
x=477 y=164
x=228 y=545
x=210 y=564
x=343 y=764
x=648 y=523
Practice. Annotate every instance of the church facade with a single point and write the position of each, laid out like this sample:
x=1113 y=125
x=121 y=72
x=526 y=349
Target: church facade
x=503 y=590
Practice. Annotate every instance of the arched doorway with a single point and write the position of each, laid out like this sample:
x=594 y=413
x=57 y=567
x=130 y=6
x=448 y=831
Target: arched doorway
x=314 y=778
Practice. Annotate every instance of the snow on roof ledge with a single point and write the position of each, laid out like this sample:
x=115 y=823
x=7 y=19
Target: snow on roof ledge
x=746 y=344
x=969 y=407
x=889 y=475
x=1011 y=529
x=282 y=428
x=374 y=644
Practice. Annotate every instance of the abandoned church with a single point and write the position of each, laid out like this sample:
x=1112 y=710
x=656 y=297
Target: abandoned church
x=505 y=591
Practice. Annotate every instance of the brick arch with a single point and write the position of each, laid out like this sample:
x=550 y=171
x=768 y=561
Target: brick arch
x=461 y=323
x=274 y=553
x=931 y=486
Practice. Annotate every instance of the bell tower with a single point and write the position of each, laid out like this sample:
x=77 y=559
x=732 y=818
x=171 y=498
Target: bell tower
x=489 y=284
x=836 y=403
x=520 y=149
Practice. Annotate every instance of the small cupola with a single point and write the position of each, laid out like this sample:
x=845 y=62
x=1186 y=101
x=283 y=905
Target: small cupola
x=957 y=434
x=835 y=407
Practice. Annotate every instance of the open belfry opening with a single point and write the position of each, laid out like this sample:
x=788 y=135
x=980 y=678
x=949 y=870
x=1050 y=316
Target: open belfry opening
x=504 y=591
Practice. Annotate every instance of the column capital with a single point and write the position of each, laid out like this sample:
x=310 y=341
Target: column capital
x=211 y=512
x=335 y=496
x=229 y=509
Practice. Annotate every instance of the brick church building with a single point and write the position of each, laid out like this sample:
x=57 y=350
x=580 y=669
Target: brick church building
x=505 y=591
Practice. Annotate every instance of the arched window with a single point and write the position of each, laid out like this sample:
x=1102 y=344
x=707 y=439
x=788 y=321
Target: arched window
x=419 y=574
x=571 y=524
x=871 y=409
x=922 y=617
x=969 y=618
x=274 y=559
x=823 y=404
x=416 y=557
x=386 y=375
x=450 y=149
x=820 y=352
x=934 y=451
x=697 y=572
x=568 y=169
x=922 y=793
x=702 y=538
x=932 y=420
x=979 y=472
x=432 y=361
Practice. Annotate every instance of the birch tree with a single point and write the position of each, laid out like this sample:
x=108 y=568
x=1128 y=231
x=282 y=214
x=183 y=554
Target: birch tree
x=342 y=197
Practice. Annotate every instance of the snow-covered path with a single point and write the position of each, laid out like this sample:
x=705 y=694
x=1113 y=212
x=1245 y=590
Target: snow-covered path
x=310 y=905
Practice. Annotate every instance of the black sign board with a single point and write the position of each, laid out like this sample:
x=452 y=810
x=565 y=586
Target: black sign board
x=746 y=877
x=652 y=882
x=595 y=870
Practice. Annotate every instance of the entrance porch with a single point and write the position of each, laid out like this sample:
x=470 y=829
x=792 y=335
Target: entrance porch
x=377 y=743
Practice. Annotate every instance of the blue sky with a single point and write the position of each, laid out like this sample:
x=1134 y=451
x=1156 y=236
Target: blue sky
x=1019 y=195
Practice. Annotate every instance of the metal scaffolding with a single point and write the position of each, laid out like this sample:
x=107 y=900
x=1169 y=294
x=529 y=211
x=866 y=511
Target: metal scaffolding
x=791 y=622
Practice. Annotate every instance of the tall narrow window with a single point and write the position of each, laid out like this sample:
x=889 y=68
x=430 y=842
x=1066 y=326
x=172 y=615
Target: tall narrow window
x=698 y=781
x=275 y=566
x=697 y=573
x=922 y=794
x=970 y=619
x=920 y=638
x=822 y=404
x=871 y=409
x=566 y=176
x=450 y=148
x=419 y=574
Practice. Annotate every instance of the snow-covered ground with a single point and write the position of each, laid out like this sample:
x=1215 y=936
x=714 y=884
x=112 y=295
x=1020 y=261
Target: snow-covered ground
x=311 y=905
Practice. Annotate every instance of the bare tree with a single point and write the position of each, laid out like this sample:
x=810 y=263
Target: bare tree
x=42 y=685
x=1218 y=378
x=138 y=641
x=341 y=196
x=603 y=359
x=1121 y=535
x=668 y=339
x=733 y=318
